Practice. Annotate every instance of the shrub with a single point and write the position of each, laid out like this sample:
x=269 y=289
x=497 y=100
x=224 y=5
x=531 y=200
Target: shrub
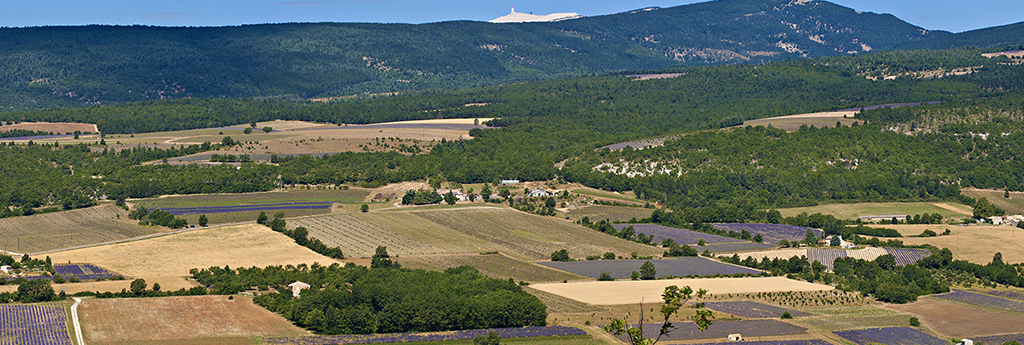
x=605 y=276
x=561 y=255
x=787 y=315
x=492 y=338
x=915 y=322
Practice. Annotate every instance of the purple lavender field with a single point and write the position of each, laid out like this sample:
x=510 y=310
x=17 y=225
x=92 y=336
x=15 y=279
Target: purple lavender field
x=42 y=324
x=521 y=332
x=722 y=329
x=826 y=256
x=1007 y=294
x=677 y=267
x=907 y=256
x=983 y=300
x=82 y=271
x=890 y=336
x=751 y=309
x=733 y=247
x=681 y=236
x=772 y=233
x=241 y=208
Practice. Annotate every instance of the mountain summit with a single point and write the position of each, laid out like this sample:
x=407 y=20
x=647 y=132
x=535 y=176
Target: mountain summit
x=518 y=17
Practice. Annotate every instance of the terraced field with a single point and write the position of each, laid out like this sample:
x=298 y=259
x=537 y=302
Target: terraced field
x=65 y=229
x=493 y=265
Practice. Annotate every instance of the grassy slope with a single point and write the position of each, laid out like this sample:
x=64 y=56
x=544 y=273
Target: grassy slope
x=852 y=211
x=1013 y=205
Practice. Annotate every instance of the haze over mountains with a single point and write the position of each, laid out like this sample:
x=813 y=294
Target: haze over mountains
x=49 y=67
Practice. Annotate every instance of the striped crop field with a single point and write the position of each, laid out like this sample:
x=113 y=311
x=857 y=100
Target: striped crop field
x=827 y=256
x=492 y=265
x=470 y=230
x=64 y=229
x=42 y=324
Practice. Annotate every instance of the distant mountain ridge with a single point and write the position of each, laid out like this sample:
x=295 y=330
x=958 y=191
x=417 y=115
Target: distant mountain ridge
x=50 y=67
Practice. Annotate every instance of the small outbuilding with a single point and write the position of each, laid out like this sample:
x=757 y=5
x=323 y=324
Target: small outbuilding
x=539 y=193
x=297 y=287
x=735 y=337
x=6 y=269
x=965 y=341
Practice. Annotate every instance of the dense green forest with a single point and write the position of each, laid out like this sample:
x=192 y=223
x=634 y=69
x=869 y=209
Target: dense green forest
x=57 y=67
x=547 y=122
x=356 y=300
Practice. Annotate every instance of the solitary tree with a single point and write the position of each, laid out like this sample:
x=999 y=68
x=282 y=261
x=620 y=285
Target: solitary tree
x=203 y=220
x=247 y=130
x=647 y=271
x=138 y=286
x=381 y=259
x=364 y=208
x=267 y=129
x=674 y=299
x=261 y=218
x=561 y=255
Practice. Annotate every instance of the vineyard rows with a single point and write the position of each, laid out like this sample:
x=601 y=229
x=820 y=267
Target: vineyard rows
x=66 y=229
x=826 y=256
x=530 y=236
x=359 y=238
x=496 y=266
x=42 y=324
x=905 y=256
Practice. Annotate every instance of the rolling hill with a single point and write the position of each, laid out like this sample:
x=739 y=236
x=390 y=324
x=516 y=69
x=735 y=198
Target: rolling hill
x=52 y=67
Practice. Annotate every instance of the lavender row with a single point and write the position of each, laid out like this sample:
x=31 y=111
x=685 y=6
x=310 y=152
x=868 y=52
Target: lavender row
x=77 y=269
x=1000 y=339
x=907 y=256
x=681 y=236
x=825 y=256
x=890 y=336
x=1007 y=294
x=751 y=309
x=723 y=328
x=243 y=209
x=42 y=324
x=677 y=267
x=520 y=332
x=235 y=206
x=771 y=233
x=983 y=300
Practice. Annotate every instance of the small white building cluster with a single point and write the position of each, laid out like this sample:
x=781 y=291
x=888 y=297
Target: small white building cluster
x=842 y=243
x=1006 y=220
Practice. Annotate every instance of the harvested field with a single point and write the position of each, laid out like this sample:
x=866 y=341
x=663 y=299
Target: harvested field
x=403 y=233
x=610 y=213
x=959 y=320
x=779 y=342
x=772 y=233
x=681 y=236
x=983 y=300
x=793 y=122
x=603 y=194
x=531 y=237
x=774 y=254
x=492 y=265
x=559 y=304
x=852 y=317
x=675 y=267
x=183 y=319
x=628 y=292
x=750 y=309
x=287 y=196
x=974 y=243
x=722 y=329
x=167 y=259
x=852 y=211
x=890 y=336
x=55 y=127
x=509 y=333
x=807 y=300
x=50 y=231
x=1013 y=205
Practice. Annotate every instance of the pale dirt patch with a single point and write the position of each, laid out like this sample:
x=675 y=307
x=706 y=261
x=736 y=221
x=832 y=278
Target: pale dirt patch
x=957 y=320
x=628 y=292
x=793 y=122
x=55 y=127
x=179 y=318
x=974 y=243
x=168 y=259
x=284 y=125
x=959 y=210
x=774 y=254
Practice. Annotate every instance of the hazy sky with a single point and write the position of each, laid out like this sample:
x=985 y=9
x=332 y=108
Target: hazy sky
x=950 y=15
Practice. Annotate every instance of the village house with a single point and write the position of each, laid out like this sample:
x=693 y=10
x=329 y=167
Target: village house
x=539 y=193
x=6 y=269
x=297 y=287
x=842 y=243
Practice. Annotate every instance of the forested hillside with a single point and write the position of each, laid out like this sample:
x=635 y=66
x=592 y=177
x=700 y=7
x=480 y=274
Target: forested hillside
x=54 y=67
x=970 y=139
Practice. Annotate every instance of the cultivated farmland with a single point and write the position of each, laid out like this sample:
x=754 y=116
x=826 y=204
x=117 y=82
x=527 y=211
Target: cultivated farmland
x=676 y=267
x=974 y=243
x=750 y=309
x=629 y=292
x=827 y=256
x=982 y=300
x=723 y=328
x=733 y=247
x=43 y=324
x=793 y=122
x=167 y=259
x=518 y=332
x=492 y=265
x=772 y=233
x=681 y=236
x=1013 y=205
x=959 y=320
x=890 y=336
x=82 y=271
x=49 y=231
x=182 y=319
x=529 y=236
x=610 y=213
x=852 y=211
x=838 y=318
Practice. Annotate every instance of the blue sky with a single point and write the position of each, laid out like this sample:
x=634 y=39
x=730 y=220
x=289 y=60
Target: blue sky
x=950 y=15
